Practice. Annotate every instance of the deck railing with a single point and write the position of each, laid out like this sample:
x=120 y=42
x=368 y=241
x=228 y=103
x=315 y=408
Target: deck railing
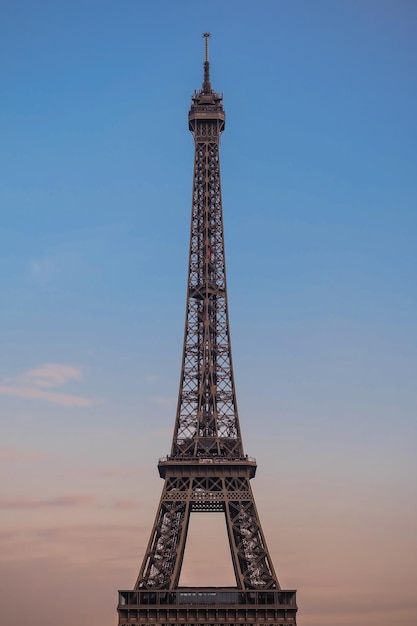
x=209 y=596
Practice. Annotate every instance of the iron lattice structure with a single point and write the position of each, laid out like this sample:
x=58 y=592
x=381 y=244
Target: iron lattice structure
x=207 y=469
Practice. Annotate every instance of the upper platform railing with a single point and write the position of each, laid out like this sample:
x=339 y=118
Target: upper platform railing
x=205 y=460
x=202 y=596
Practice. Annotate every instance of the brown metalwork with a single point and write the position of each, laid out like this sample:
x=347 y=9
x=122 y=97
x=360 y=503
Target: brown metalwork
x=207 y=469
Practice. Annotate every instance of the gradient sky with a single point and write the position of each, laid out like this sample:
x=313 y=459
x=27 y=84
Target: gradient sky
x=319 y=195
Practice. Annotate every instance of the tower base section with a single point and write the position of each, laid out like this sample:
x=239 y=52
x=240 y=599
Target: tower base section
x=209 y=606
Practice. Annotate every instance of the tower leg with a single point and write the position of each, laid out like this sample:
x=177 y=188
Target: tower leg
x=163 y=558
x=256 y=599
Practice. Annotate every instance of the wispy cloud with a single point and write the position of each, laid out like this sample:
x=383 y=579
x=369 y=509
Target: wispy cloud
x=51 y=375
x=36 y=382
x=70 y=501
x=111 y=472
x=73 y=543
x=49 y=396
x=59 y=501
x=10 y=453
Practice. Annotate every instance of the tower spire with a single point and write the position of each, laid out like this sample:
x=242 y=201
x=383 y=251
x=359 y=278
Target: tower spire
x=206 y=82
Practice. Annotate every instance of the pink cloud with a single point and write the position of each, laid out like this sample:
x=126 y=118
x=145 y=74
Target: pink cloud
x=9 y=453
x=73 y=544
x=83 y=532
x=35 y=384
x=59 y=501
x=111 y=472
x=79 y=500
x=50 y=396
x=51 y=375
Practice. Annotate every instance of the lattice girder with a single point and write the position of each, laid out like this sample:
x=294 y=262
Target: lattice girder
x=207 y=422
x=183 y=495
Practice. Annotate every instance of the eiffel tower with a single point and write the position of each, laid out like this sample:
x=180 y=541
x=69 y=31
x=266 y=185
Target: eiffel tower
x=207 y=469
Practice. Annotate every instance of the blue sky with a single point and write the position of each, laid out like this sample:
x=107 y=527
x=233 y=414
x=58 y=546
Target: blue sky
x=319 y=197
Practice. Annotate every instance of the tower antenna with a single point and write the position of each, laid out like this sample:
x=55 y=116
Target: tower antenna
x=206 y=37
x=206 y=82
